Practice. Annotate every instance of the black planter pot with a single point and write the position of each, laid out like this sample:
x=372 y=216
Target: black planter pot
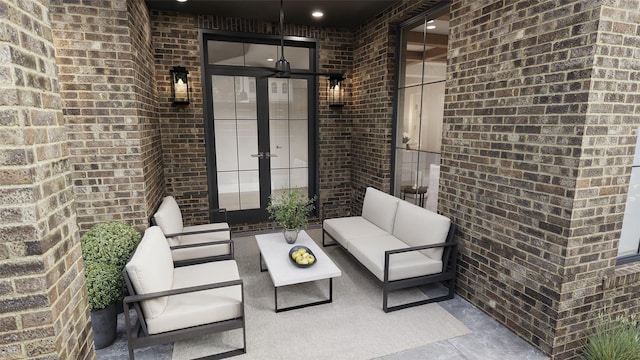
x=104 y=323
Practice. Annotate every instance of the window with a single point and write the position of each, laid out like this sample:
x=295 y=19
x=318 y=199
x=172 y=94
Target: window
x=420 y=103
x=629 y=246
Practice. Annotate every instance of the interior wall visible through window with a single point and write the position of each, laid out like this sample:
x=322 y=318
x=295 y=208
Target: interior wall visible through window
x=420 y=107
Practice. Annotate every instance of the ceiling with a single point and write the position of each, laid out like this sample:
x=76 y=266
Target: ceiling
x=337 y=13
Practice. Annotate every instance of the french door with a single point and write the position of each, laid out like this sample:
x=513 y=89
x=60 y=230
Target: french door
x=260 y=139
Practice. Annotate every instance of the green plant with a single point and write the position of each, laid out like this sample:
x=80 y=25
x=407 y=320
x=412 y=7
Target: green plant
x=106 y=249
x=104 y=284
x=111 y=242
x=290 y=209
x=613 y=339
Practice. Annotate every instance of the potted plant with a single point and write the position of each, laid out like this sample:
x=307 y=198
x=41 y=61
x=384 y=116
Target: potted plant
x=106 y=249
x=104 y=288
x=290 y=211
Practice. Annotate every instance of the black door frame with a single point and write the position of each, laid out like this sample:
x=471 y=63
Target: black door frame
x=261 y=75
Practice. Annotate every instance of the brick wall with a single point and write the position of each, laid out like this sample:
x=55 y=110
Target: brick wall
x=373 y=88
x=354 y=141
x=176 y=44
x=146 y=92
x=43 y=307
x=540 y=126
x=103 y=52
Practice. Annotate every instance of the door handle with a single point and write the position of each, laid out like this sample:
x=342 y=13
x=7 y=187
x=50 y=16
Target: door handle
x=270 y=155
x=259 y=155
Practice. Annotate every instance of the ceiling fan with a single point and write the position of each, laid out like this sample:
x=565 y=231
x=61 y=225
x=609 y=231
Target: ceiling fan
x=283 y=67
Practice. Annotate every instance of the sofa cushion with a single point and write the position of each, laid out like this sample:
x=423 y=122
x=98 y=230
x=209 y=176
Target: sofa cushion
x=150 y=269
x=202 y=307
x=370 y=252
x=168 y=216
x=380 y=208
x=345 y=228
x=417 y=226
x=201 y=251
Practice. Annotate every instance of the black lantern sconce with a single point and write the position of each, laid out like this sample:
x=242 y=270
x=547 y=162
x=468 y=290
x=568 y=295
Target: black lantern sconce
x=180 y=85
x=335 y=92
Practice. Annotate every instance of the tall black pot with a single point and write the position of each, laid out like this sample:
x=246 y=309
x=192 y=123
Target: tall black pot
x=104 y=323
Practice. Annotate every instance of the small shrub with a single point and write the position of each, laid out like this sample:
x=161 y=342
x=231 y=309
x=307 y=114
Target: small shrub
x=104 y=284
x=613 y=339
x=110 y=243
x=106 y=249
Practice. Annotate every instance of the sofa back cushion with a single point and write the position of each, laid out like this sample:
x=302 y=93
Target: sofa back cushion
x=169 y=216
x=380 y=208
x=417 y=226
x=151 y=269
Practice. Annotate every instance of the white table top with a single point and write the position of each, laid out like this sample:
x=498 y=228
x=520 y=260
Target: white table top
x=275 y=253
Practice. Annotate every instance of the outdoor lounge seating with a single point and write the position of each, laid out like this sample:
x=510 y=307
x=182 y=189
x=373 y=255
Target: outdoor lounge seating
x=177 y=303
x=402 y=244
x=193 y=244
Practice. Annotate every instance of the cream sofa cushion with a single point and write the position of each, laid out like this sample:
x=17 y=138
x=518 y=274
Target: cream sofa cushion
x=150 y=269
x=168 y=216
x=416 y=226
x=345 y=228
x=200 y=307
x=370 y=252
x=380 y=208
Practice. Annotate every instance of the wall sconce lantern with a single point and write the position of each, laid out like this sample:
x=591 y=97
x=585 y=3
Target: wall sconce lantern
x=335 y=92
x=180 y=85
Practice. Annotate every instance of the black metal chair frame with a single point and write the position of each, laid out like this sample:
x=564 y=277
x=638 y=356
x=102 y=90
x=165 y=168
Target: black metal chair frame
x=138 y=335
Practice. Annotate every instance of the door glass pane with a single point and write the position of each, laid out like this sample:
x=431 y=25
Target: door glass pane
x=236 y=140
x=278 y=100
x=288 y=135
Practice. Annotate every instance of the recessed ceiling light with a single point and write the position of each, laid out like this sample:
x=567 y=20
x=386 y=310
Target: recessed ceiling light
x=430 y=21
x=317 y=14
x=431 y=27
x=270 y=59
x=181 y=0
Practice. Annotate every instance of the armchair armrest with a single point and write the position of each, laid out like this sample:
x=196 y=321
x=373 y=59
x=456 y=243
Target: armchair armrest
x=197 y=232
x=206 y=243
x=141 y=297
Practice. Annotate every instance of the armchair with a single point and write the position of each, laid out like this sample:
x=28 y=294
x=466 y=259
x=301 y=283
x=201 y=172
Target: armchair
x=177 y=303
x=193 y=244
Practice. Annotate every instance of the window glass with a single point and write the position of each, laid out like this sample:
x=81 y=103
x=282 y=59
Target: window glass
x=256 y=55
x=420 y=109
x=630 y=236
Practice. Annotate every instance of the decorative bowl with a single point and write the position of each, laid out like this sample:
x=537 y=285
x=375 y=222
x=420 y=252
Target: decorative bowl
x=298 y=247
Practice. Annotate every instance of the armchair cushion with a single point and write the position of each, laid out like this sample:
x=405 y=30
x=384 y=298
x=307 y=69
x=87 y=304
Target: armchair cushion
x=200 y=307
x=151 y=269
x=209 y=250
x=168 y=216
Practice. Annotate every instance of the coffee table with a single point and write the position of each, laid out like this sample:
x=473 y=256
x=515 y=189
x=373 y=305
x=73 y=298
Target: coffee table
x=274 y=254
